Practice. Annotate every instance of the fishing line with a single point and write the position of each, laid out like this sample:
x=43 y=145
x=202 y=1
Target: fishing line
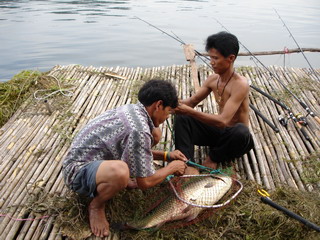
x=291 y=35
x=204 y=59
x=285 y=107
x=309 y=111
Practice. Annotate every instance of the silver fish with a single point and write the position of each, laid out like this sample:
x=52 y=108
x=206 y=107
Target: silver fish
x=202 y=191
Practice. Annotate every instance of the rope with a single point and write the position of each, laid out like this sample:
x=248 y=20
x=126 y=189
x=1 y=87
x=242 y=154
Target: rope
x=65 y=92
x=23 y=219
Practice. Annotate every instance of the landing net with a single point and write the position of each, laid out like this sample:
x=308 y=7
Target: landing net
x=208 y=194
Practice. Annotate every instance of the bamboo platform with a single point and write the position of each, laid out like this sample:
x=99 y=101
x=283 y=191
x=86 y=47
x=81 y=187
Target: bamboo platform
x=34 y=142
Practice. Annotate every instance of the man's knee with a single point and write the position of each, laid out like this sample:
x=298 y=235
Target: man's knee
x=242 y=135
x=241 y=131
x=121 y=173
x=113 y=171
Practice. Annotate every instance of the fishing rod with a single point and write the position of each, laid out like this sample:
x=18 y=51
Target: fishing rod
x=291 y=35
x=264 y=118
x=300 y=122
x=309 y=111
x=175 y=37
x=265 y=198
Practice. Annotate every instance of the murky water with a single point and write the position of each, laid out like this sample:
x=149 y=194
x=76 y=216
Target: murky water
x=41 y=34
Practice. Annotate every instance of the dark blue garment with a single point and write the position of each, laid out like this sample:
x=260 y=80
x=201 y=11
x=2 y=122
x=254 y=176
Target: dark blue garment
x=225 y=143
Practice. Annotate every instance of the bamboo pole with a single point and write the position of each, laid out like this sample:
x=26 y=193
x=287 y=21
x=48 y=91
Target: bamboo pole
x=287 y=138
x=285 y=51
x=270 y=135
x=298 y=148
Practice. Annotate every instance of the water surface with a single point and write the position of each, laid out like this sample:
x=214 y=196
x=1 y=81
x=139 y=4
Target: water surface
x=40 y=34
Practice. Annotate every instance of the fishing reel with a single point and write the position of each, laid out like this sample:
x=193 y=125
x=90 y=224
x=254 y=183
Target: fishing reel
x=283 y=120
x=301 y=119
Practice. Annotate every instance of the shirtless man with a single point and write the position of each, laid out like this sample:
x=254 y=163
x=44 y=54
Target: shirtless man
x=116 y=145
x=226 y=133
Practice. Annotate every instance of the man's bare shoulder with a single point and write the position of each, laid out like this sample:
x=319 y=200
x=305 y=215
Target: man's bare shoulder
x=241 y=81
x=211 y=79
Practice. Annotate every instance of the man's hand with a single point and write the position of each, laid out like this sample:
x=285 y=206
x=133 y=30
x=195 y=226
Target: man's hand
x=182 y=109
x=177 y=155
x=178 y=166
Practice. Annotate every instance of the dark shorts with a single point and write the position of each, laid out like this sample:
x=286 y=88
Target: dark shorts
x=85 y=180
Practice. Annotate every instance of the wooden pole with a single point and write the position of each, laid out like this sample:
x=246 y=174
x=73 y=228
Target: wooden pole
x=285 y=51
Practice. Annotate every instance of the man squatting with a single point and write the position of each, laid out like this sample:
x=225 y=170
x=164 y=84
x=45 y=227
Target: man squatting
x=116 y=145
x=226 y=133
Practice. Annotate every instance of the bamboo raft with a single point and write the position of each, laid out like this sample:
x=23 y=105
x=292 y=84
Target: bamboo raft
x=35 y=140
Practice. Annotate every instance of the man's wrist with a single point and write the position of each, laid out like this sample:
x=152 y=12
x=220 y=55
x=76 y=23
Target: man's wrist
x=166 y=156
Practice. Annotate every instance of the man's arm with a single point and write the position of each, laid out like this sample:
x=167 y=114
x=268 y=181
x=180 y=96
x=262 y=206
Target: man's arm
x=176 y=167
x=201 y=94
x=239 y=92
x=174 y=155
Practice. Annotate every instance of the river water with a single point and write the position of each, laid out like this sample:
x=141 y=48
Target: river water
x=40 y=34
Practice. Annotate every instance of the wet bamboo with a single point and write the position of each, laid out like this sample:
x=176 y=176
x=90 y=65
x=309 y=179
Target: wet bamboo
x=115 y=96
x=20 y=150
x=270 y=151
x=298 y=144
x=10 y=132
x=90 y=101
x=241 y=169
x=55 y=234
x=102 y=99
x=263 y=135
x=256 y=169
x=310 y=100
x=288 y=79
x=46 y=229
x=296 y=180
x=20 y=133
x=260 y=158
x=25 y=229
x=247 y=167
x=31 y=230
x=126 y=84
x=57 y=169
x=29 y=179
x=130 y=84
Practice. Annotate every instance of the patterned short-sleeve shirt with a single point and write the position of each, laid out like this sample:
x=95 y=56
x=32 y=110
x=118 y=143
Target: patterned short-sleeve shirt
x=123 y=133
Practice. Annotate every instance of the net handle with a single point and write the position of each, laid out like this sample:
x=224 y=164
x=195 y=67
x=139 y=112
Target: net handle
x=206 y=206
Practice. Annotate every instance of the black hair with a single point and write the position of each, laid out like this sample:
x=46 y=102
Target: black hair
x=226 y=43
x=155 y=90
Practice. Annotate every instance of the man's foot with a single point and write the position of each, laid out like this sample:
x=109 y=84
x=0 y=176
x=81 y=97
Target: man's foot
x=98 y=222
x=208 y=163
x=132 y=184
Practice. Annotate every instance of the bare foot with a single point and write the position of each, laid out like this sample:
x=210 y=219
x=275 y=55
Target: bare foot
x=132 y=183
x=191 y=171
x=208 y=163
x=98 y=222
